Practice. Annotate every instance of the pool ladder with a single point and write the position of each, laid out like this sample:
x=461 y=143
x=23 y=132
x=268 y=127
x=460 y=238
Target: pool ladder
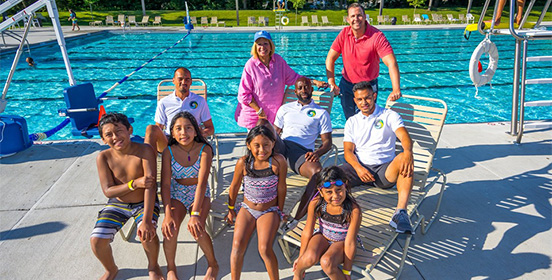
x=522 y=37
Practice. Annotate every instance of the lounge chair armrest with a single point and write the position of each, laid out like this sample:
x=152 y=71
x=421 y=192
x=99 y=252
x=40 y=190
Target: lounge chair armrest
x=113 y=98
x=64 y=112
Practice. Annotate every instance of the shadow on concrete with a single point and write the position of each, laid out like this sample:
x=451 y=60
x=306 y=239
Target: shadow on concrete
x=54 y=150
x=31 y=231
x=184 y=272
x=494 y=228
x=446 y=158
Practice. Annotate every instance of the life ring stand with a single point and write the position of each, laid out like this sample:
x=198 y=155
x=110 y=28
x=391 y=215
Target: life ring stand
x=284 y=20
x=489 y=48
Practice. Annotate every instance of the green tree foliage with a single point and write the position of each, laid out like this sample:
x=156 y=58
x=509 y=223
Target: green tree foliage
x=298 y=4
x=416 y=3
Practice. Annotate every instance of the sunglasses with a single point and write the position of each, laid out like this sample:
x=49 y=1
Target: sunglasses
x=337 y=182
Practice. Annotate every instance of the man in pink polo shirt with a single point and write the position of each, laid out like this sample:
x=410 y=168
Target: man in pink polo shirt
x=362 y=46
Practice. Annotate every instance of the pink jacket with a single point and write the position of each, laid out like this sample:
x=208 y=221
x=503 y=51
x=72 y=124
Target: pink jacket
x=266 y=86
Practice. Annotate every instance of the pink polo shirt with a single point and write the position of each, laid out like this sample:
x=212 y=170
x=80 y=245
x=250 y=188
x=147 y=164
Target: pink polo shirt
x=361 y=56
x=266 y=86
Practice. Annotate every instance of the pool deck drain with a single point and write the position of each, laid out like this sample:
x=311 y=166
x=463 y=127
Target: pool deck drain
x=495 y=221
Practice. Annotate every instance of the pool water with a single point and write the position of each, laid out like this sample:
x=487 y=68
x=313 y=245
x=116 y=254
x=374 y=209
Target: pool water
x=433 y=63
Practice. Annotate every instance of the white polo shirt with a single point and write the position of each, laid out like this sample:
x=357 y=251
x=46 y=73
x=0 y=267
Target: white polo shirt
x=302 y=124
x=171 y=105
x=374 y=136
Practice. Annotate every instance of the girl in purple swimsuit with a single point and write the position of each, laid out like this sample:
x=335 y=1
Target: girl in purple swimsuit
x=184 y=172
x=263 y=174
x=334 y=241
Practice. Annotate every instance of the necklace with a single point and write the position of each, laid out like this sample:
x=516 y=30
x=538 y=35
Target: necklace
x=188 y=151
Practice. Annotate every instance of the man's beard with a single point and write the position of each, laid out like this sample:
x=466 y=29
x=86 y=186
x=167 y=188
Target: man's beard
x=302 y=100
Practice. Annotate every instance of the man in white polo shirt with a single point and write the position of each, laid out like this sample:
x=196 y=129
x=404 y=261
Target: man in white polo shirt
x=299 y=123
x=369 y=147
x=182 y=99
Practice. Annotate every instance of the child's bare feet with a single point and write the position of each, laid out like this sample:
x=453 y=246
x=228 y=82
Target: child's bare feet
x=110 y=275
x=171 y=275
x=155 y=273
x=212 y=272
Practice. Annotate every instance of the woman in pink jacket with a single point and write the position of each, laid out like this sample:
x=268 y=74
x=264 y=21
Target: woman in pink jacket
x=263 y=83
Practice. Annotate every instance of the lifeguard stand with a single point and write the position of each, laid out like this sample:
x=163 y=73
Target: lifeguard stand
x=279 y=10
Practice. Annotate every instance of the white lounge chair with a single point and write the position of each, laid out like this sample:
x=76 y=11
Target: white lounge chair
x=157 y=20
x=193 y=20
x=132 y=20
x=417 y=19
x=451 y=18
x=204 y=22
x=109 y=20
x=145 y=21
x=470 y=18
x=315 y=20
x=325 y=20
x=121 y=20
x=251 y=21
x=423 y=119
x=215 y=21
x=405 y=19
x=304 y=20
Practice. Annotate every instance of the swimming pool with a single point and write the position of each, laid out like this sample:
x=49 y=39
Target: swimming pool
x=433 y=63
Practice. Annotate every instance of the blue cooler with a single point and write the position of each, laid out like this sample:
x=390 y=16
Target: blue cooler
x=14 y=136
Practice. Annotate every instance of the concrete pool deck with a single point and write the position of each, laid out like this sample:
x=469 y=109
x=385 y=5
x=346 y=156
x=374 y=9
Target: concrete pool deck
x=495 y=220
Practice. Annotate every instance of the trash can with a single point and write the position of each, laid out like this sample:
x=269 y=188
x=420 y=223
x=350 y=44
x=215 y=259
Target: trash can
x=393 y=20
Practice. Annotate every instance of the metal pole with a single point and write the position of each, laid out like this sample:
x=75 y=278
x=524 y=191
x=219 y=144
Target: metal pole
x=522 y=103
x=52 y=11
x=381 y=8
x=515 y=90
x=238 y=12
x=16 y=59
x=143 y=8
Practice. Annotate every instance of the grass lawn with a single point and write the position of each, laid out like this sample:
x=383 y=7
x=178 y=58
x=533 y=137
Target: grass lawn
x=174 y=18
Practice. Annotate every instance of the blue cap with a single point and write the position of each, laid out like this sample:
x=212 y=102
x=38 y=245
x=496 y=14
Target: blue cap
x=262 y=34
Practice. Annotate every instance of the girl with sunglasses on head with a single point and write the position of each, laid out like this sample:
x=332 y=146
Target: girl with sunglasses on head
x=334 y=241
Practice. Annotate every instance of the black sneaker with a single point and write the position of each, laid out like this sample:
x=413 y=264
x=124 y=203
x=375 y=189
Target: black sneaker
x=401 y=222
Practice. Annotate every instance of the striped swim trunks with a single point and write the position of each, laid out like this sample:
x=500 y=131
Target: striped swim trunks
x=115 y=214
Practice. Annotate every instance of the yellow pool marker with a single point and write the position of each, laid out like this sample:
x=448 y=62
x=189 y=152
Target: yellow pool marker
x=503 y=25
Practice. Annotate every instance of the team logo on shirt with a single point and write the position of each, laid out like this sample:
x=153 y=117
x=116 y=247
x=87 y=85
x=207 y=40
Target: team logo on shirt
x=378 y=124
x=311 y=113
x=193 y=105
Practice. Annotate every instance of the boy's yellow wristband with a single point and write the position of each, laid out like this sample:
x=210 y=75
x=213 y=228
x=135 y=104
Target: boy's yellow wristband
x=194 y=213
x=231 y=207
x=130 y=185
x=346 y=272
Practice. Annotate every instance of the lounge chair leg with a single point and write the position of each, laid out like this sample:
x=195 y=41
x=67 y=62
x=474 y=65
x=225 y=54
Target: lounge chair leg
x=130 y=231
x=285 y=249
x=403 y=258
x=426 y=225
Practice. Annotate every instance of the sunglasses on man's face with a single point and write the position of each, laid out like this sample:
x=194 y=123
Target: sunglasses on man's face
x=328 y=184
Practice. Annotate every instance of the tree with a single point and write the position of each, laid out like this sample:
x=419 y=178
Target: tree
x=90 y=3
x=416 y=3
x=298 y=4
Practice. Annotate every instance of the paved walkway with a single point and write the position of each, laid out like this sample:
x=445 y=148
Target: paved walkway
x=495 y=221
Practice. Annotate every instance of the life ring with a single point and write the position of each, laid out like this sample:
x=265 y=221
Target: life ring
x=284 y=20
x=488 y=47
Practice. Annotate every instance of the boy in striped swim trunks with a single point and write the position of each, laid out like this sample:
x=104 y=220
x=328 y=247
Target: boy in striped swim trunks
x=127 y=178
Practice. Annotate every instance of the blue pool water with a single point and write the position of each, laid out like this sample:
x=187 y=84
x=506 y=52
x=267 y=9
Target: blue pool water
x=433 y=63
